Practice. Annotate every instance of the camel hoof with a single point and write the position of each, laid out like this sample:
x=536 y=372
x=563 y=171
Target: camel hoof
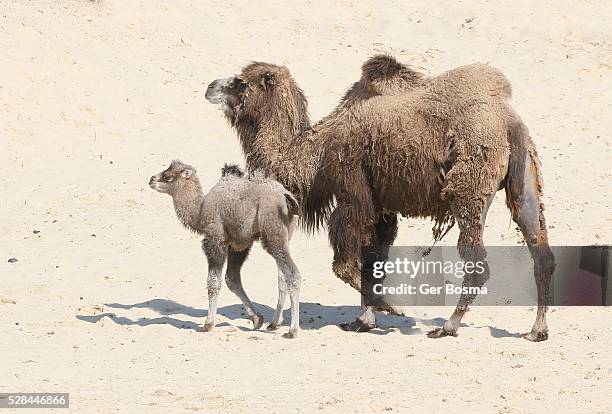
x=535 y=336
x=207 y=327
x=272 y=327
x=440 y=333
x=290 y=335
x=258 y=320
x=356 y=326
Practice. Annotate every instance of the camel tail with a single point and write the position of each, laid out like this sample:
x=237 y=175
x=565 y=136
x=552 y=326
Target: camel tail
x=522 y=156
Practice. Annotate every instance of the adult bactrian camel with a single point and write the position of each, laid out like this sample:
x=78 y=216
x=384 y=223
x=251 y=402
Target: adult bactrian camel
x=398 y=143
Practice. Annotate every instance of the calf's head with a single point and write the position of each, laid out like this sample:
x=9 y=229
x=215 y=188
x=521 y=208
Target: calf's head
x=175 y=178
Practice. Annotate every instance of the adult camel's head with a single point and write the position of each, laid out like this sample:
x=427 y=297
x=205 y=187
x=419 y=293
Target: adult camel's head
x=263 y=95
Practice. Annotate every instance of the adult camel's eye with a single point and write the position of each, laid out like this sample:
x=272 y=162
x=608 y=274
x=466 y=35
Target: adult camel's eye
x=168 y=178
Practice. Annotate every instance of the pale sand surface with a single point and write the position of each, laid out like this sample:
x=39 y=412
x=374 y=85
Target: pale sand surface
x=97 y=96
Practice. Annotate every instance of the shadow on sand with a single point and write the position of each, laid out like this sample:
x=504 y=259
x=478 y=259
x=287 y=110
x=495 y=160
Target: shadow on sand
x=312 y=316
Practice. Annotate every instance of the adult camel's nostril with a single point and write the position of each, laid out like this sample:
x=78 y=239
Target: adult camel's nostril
x=213 y=84
x=213 y=92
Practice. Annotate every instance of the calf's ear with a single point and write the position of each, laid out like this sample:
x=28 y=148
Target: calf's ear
x=187 y=173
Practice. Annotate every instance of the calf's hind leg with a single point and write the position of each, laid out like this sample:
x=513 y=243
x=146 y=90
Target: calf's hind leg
x=235 y=260
x=280 y=251
x=282 y=296
x=215 y=252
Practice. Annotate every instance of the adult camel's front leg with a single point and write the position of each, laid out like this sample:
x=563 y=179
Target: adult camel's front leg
x=348 y=233
x=348 y=257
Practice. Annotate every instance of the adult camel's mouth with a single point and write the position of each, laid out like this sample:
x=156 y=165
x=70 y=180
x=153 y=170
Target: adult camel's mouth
x=216 y=90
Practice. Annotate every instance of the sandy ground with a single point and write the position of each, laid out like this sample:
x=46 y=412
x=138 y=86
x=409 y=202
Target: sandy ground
x=108 y=289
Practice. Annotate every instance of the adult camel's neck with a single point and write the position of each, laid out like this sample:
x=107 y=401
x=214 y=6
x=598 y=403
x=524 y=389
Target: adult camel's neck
x=290 y=154
x=278 y=138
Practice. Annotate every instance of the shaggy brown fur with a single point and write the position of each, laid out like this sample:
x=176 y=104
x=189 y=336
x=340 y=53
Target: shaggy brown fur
x=262 y=86
x=397 y=143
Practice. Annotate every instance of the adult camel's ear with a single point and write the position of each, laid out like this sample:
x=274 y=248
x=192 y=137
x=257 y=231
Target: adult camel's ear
x=268 y=80
x=187 y=173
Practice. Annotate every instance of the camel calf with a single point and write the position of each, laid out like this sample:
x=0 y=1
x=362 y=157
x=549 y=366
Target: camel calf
x=236 y=212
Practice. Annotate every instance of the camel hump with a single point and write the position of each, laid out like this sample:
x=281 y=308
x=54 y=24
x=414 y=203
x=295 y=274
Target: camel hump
x=384 y=75
x=231 y=169
x=381 y=67
x=485 y=77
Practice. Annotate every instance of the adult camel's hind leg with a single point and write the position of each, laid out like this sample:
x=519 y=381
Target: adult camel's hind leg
x=470 y=215
x=523 y=191
x=469 y=187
